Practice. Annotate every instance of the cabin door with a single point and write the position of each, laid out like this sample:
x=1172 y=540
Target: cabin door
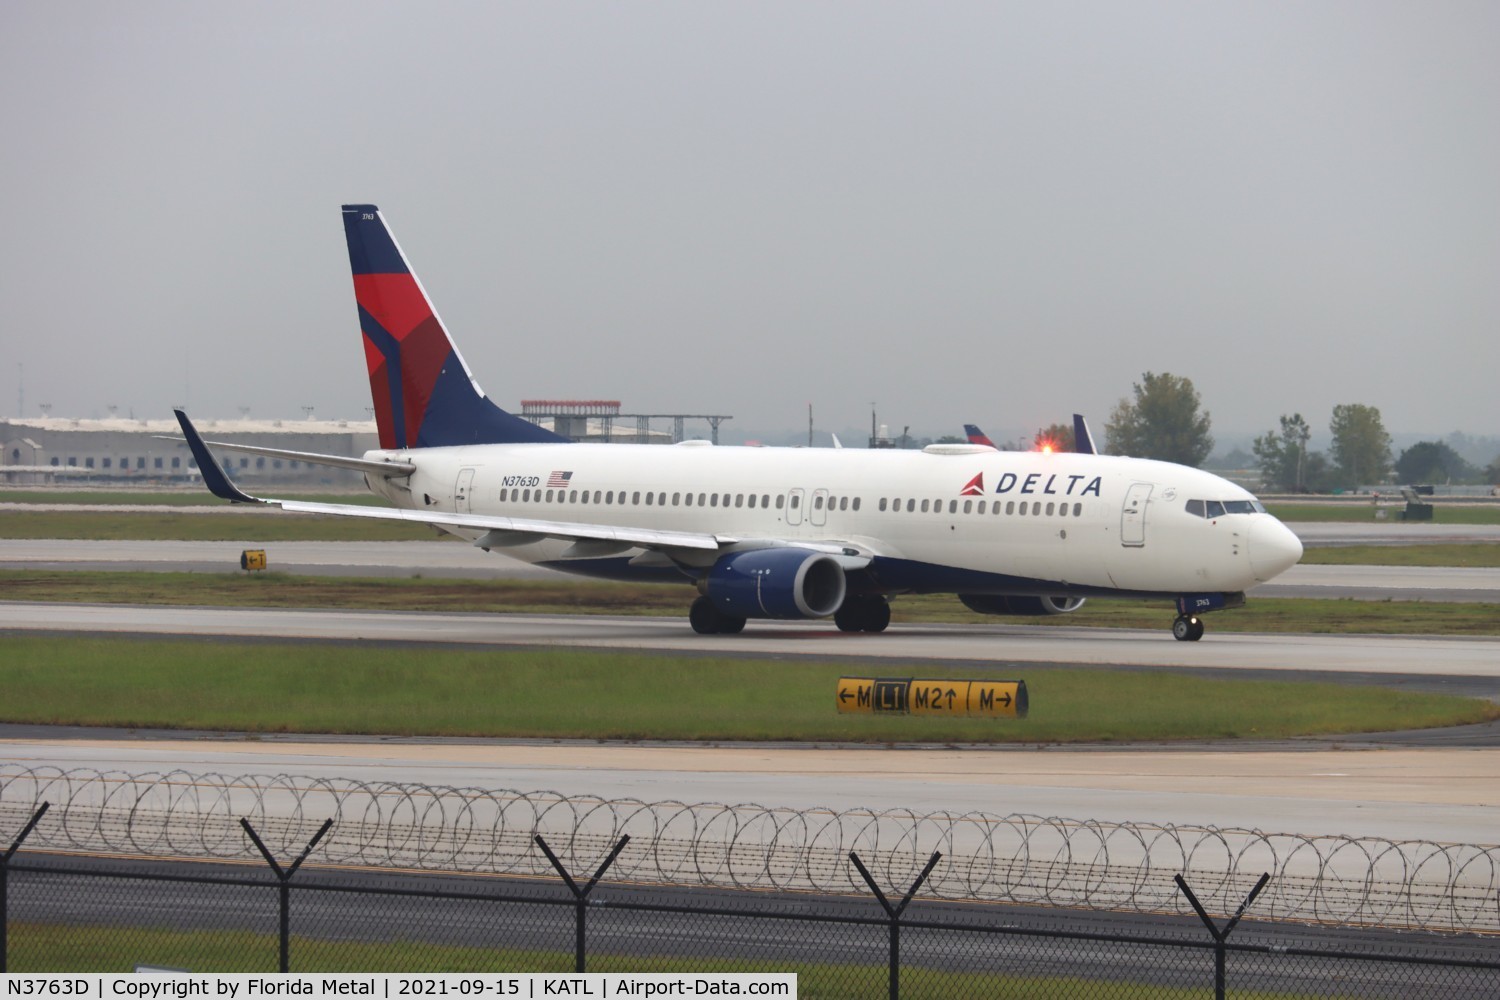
x=1133 y=515
x=794 y=507
x=462 y=489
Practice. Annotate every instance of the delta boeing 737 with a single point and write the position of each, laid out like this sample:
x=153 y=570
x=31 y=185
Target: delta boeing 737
x=774 y=533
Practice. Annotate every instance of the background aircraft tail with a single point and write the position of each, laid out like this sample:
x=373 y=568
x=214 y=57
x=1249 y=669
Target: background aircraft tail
x=977 y=436
x=424 y=394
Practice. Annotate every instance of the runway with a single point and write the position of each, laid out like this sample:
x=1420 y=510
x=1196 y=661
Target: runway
x=456 y=560
x=1398 y=793
x=1313 y=788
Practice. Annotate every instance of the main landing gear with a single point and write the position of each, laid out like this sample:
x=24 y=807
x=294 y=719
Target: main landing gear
x=707 y=619
x=1187 y=628
x=863 y=614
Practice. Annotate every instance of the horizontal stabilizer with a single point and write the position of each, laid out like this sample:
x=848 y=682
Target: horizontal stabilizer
x=383 y=469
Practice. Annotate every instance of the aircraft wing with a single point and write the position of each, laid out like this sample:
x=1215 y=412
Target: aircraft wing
x=503 y=532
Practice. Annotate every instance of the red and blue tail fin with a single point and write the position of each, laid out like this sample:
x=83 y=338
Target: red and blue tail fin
x=425 y=396
x=977 y=436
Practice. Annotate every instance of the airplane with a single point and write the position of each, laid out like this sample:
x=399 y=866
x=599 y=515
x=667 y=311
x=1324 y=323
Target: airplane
x=772 y=533
x=1083 y=440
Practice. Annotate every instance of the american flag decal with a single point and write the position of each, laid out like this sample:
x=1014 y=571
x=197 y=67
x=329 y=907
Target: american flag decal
x=558 y=480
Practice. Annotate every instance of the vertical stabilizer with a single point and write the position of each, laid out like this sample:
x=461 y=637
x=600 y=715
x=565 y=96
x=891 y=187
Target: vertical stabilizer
x=977 y=436
x=1083 y=441
x=424 y=393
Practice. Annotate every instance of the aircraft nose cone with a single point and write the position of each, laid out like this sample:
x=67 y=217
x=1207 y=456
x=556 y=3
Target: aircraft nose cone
x=1274 y=549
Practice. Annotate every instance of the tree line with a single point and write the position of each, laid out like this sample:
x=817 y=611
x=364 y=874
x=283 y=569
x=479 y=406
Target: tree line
x=1165 y=420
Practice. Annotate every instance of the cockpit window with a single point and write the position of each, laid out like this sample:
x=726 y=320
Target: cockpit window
x=1216 y=508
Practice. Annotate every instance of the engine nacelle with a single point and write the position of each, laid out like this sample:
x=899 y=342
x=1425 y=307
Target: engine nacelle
x=997 y=604
x=776 y=583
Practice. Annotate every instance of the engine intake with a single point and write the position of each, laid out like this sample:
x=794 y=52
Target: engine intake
x=776 y=583
x=1029 y=604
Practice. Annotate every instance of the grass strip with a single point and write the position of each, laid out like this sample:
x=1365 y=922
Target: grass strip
x=1466 y=555
x=585 y=694
x=58 y=948
x=280 y=590
x=1443 y=512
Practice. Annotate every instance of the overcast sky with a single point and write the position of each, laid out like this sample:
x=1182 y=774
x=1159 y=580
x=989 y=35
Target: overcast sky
x=988 y=212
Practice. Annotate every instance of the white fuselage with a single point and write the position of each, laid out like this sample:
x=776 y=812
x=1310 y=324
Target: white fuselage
x=958 y=520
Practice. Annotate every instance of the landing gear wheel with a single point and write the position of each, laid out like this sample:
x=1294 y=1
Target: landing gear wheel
x=707 y=619
x=1187 y=629
x=864 y=614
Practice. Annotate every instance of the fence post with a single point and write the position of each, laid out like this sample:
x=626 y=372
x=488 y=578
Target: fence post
x=894 y=913
x=580 y=896
x=36 y=818
x=1220 y=936
x=284 y=877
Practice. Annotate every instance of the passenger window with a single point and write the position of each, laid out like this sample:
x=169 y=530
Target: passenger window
x=953 y=506
x=610 y=497
x=1049 y=509
x=648 y=500
x=739 y=499
x=796 y=501
x=1010 y=507
x=968 y=506
x=779 y=501
x=1195 y=508
x=911 y=505
x=843 y=503
x=713 y=499
x=702 y=499
x=689 y=500
x=751 y=501
x=981 y=506
x=502 y=495
x=1023 y=508
x=856 y=503
x=1078 y=510
x=924 y=506
x=882 y=503
x=635 y=498
x=765 y=499
x=677 y=499
x=598 y=496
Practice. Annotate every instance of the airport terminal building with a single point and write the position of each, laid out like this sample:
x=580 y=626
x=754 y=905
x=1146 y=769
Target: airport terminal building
x=124 y=451
x=121 y=451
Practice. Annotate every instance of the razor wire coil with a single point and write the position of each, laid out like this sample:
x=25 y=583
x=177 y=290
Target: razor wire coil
x=1015 y=858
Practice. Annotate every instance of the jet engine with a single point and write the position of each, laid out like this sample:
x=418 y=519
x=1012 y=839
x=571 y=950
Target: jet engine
x=996 y=604
x=775 y=583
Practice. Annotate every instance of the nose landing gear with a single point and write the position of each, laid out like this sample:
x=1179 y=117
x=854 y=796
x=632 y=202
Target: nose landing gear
x=1187 y=628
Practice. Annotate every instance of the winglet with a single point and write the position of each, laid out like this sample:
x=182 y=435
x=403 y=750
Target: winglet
x=214 y=477
x=1083 y=441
